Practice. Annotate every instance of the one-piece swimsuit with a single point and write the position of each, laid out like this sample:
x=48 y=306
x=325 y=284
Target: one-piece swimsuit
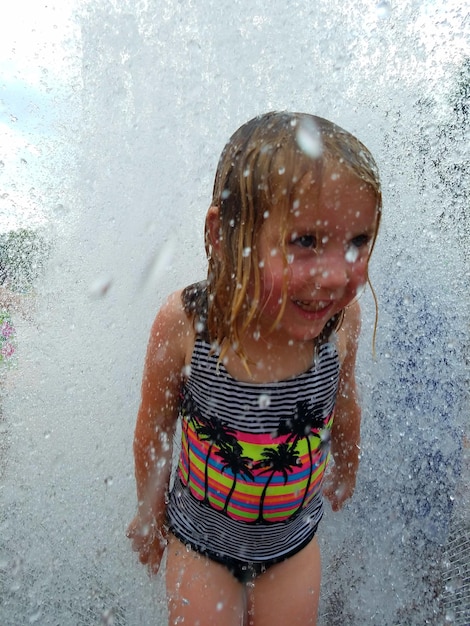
x=247 y=490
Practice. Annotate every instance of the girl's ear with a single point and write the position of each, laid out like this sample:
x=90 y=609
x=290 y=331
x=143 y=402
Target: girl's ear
x=213 y=231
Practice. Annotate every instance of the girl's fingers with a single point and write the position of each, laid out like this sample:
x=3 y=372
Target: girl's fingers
x=149 y=542
x=144 y=556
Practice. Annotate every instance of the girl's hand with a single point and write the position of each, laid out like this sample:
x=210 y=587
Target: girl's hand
x=339 y=487
x=149 y=540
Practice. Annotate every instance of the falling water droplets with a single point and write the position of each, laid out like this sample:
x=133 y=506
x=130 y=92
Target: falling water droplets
x=309 y=139
x=383 y=9
x=108 y=617
x=100 y=287
x=119 y=91
x=35 y=617
x=264 y=401
x=159 y=263
x=351 y=254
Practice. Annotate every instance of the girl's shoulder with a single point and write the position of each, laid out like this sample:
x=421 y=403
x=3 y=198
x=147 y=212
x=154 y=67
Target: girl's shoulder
x=173 y=329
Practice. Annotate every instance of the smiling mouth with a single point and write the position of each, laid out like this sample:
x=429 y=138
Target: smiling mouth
x=318 y=307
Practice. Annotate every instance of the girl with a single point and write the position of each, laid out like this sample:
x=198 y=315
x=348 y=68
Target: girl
x=255 y=361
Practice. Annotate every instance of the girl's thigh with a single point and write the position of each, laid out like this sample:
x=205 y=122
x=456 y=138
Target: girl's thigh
x=201 y=592
x=288 y=592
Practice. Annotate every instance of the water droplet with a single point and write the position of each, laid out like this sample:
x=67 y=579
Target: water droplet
x=35 y=617
x=351 y=254
x=309 y=140
x=159 y=263
x=161 y=463
x=60 y=210
x=108 y=617
x=383 y=9
x=264 y=401
x=246 y=251
x=100 y=287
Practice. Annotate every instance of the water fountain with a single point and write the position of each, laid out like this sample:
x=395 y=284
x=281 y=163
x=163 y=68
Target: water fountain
x=164 y=84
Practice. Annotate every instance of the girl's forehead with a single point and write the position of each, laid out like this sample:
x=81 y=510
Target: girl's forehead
x=336 y=187
x=339 y=200
x=332 y=176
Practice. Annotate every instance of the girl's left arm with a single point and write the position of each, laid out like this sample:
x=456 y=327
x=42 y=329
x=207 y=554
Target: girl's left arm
x=345 y=436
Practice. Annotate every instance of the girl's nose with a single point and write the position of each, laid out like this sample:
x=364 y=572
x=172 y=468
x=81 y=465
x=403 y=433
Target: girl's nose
x=331 y=273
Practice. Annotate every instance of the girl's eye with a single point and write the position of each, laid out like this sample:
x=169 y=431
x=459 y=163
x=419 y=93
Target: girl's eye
x=305 y=241
x=360 y=241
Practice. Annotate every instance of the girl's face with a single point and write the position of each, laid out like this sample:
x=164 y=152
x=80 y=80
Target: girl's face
x=328 y=240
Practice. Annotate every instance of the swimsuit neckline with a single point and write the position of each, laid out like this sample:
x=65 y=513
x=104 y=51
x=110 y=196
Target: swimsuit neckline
x=269 y=384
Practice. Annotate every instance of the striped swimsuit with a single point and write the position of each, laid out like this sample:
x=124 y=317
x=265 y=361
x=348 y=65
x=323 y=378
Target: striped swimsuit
x=247 y=490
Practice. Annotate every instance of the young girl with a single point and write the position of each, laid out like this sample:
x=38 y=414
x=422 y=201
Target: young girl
x=256 y=360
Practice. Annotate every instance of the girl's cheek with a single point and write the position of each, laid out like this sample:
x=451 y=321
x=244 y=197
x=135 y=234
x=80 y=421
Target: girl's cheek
x=359 y=272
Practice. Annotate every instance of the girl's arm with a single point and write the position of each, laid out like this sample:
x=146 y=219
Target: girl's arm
x=153 y=438
x=345 y=436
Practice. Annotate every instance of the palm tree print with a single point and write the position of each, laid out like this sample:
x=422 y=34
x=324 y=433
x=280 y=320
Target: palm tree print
x=239 y=465
x=305 y=420
x=216 y=432
x=276 y=460
x=188 y=411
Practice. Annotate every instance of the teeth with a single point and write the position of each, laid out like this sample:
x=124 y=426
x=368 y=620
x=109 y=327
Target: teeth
x=318 y=306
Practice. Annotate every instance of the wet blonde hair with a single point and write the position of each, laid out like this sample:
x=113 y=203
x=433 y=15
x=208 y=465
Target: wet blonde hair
x=257 y=173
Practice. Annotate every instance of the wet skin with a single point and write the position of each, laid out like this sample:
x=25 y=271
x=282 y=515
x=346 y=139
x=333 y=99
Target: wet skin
x=328 y=242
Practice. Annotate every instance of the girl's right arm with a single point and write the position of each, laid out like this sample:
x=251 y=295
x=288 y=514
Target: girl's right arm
x=168 y=349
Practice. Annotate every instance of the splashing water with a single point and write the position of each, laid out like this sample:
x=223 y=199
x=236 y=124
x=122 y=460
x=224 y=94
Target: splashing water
x=309 y=140
x=162 y=88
